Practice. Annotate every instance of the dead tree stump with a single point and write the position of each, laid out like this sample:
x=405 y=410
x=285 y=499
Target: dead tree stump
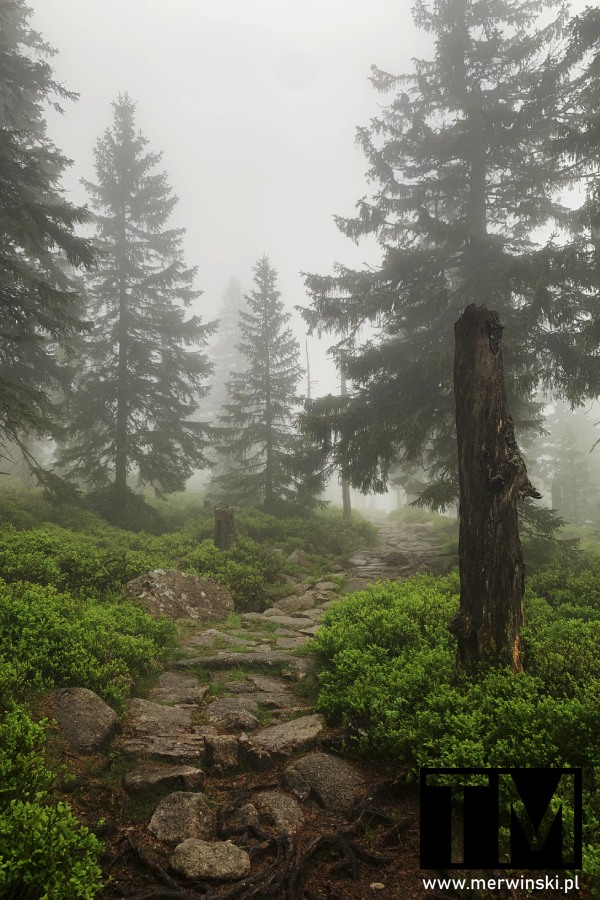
x=492 y=478
x=224 y=528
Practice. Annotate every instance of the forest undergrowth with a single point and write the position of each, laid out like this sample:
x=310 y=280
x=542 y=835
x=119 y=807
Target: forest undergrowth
x=385 y=655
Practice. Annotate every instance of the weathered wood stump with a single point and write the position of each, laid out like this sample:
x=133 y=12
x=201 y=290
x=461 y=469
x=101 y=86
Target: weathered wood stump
x=492 y=478
x=224 y=528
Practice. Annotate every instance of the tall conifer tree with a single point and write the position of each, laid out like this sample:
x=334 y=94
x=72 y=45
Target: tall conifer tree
x=38 y=302
x=257 y=422
x=143 y=372
x=224 y=352
x=464 y=177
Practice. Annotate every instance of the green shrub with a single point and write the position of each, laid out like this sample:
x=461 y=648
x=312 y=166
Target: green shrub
x=245 y=569
x=389 y=675
x=84 y=565
x=44 y=852
x=52 y=639
x=23 y=771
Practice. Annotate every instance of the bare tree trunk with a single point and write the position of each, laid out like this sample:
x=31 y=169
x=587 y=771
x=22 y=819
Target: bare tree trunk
x=224 y=528
x=492 y=477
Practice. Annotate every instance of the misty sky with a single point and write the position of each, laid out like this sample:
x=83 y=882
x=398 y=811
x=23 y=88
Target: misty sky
x=255 y=105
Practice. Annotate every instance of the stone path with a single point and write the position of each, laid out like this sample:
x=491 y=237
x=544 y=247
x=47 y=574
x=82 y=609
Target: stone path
x=404 y=550
x=227 y=758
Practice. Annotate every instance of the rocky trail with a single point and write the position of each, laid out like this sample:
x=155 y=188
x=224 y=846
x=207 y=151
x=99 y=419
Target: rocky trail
x=221 y=780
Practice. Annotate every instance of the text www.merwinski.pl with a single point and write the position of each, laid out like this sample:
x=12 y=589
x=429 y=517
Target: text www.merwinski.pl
x=520 y=882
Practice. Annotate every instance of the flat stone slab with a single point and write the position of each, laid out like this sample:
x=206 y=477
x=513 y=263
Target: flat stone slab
x=162 y=732
x=146 y=717
x=85 y=721
x=287 y=643
x=299 y=734
x=310 y=632
x=183 y=815
x=175 y=687
x=227 y=660
x=266 y=683
x=149 y=780
x=220 y=861
x=233 y=713
x=335 y=781
x=211 y=636
x=295 y=603
x=281 y=700
x=239 y=687
x=177 y=748
x=281 y=811
x=293 y=622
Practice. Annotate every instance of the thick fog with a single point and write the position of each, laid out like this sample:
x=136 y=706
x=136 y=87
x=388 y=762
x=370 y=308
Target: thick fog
x=255 y=106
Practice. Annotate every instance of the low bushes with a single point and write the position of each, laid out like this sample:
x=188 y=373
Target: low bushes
x=245 y=569
x=50 y=639
x=389 y=675
x=44 y=852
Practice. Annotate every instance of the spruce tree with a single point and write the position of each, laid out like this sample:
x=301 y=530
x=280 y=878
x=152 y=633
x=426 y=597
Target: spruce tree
x=143 y=372
x=257 y=433
x=578 y=146
x=464 y=176
x=223 y=350
x=38 y=244
x=563 y=462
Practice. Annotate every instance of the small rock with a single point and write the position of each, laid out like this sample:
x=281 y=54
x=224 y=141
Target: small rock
x=300 y=558
x=326 y=586
x=85 y=721
x=221 y=861
x=333 y=780
x=360 y=559
x=395 y=558
x=315 y=614
x=222 y=751
x=254 y=757
x=183 y=815
x=288 y=579
x=243 y=817
x=153 y=780
x=290 y=736
x=377 y=886
x=281 y=811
